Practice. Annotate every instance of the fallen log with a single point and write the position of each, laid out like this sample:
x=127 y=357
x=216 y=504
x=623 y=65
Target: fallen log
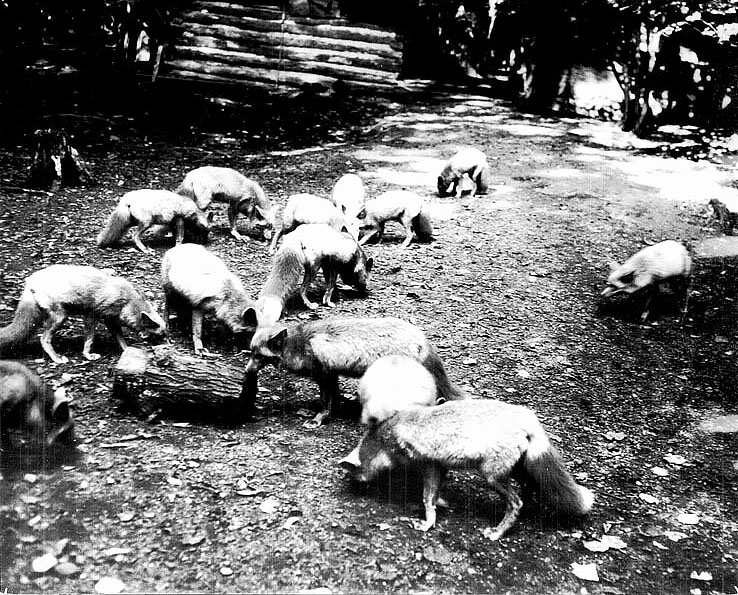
x=162 y=378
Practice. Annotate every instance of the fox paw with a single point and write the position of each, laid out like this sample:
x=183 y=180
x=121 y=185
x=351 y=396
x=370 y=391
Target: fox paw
x=92 y=356
x=491 y=534
x=62 y=359
x=312 y=305
x=419 y=525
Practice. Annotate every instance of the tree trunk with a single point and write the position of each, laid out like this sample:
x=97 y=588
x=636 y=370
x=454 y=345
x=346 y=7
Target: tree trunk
x=162 y=378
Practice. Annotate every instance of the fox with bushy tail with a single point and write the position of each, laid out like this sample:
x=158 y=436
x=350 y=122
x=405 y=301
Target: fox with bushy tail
x=326 y=349
x=53 y=293
x=407 y=208
x=305 y=250
x=147 y=207
x=499 y=440
x=243 y=195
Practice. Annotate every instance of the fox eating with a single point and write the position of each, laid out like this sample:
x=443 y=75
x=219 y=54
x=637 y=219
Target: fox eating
x=499 y=440
x=648 y=269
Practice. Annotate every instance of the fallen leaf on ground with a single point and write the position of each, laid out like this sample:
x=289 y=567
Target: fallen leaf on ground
x=109 y=585
x=675 y=459
x=687 y=518
x=44 y=563
x=586 y=572
x=437 y=554
x=660 y=471
x=675 y=535
x=270 y=505
x=702 y=576
x=648 y=498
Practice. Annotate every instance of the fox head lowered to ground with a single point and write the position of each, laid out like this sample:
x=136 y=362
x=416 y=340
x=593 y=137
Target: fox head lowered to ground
x=28 y=405
x=651 y=265
x=356 y=272
x=267 y=347
x=139 y=314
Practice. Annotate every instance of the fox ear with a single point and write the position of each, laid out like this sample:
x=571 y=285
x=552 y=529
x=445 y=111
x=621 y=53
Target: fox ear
x=369 y=265
x=440 y=400
x=211 y=216
x=250 y=317
x=351 y=462
x=361 y=214
x=276 y=341
x=148 y=321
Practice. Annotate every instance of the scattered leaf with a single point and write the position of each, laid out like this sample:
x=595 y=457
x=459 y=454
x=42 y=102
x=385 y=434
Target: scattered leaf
x=384 y=526
x=67 y=569
x=226 y=571
x=616 y=436
x=194 y=539
x=675 y=459
x=660 y=471
x=523 y=374
x=659 y=545
x=116 y=551
x=470 y=361
x=269 y=506
x=648 y=498
x=702 y=576
x=586 y=572
x=109 y=585
x=687 y=518
x=174 y=481
x=44 y=563
x=290 y=521
x=253 y=492
x=126 y=516
x=675 y=535
x=30 y=477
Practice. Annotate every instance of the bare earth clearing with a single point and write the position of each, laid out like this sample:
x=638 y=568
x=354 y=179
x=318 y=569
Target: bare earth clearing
x=508 y=292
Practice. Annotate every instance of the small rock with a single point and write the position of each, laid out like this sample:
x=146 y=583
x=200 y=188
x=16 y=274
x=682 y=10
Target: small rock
x=44 y=563
x=67 y=569
x=109 y=585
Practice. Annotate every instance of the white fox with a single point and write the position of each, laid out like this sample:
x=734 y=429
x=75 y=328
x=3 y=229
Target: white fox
x=470 y=161
x=223 y=184
x=349 y=195
x=308 y=208
x=402 y=206
x=666 y=261
x=305 y=250
x=192 y=274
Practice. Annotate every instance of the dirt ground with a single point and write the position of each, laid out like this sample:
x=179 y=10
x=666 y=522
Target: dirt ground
x=508 y=292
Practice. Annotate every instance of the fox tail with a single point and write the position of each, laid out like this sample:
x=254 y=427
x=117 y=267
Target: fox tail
x=423 y=226
x=117 y=224
x=27 y=316
x=447 y=390
x=543 y=465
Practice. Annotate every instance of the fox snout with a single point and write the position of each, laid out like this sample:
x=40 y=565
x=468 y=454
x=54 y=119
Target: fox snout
x=352 y=464
x=252 y=366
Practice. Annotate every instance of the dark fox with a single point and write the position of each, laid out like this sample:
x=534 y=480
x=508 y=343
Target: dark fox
x=145 y=208
x=305 y=250
x=59 y=290
x=192 y=274
x=405 y=207
x=27 y=404
x=499 y=440
x=326 y=349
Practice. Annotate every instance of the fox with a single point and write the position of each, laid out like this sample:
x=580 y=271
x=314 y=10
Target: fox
x=194 y=276
x=305 y=250
x=28 y=404
x=394 y=383
x=501 y=441
x=349 y=195
x=402 y=206
x=52 y=293
x=309 y=208
x=470 y=161
x=145 y=208
x=326 y=349
x=665 y=262
x=243 y=195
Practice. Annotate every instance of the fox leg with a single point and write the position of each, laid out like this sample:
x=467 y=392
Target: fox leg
x=329 y=392
x=432 y=476
x=89 y=338
x=513 y=504
x=408 y=225
x=232 y=215
x=275 y=238
x=142 y=226
x=307 y=279
x=117 y=332
x=56 y=319
x=371 y=234
x=197 y=330
x=179 y=222
x=331 y=279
